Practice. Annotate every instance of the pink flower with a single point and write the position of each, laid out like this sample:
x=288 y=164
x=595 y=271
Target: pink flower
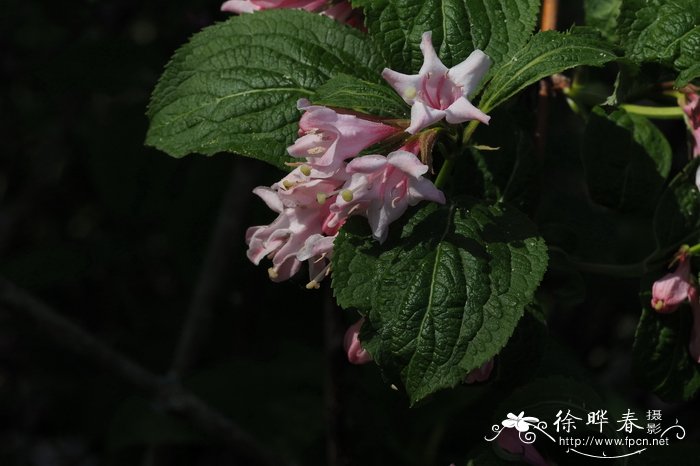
x=248 y=6
x=692 y=112
x=672 y=289
x=509 y=441
x=300 y=218
x=356 y=353
x=327 y=138
x=480 y=374
x=437 y=92
x=382 y=188
x=340 y=11
x=318 y=250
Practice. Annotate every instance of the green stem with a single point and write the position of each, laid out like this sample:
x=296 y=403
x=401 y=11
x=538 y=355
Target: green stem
x=449 y=164
x=659 y=113
x=444 y=173
x=694 y=249
x=469 y=131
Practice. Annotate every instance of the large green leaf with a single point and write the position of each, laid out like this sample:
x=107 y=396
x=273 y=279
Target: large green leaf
x=545 y=54
x=444 y=294
x=660 y=358
x=498 y=27
x=667 y=31
x=356 y=94
x=235 y=85
x=677 y=217
x=626 y=160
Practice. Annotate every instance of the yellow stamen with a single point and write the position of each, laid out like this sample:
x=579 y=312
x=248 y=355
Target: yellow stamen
x=305 y=170
x=272 y=272
x=346 y=194
x=313 y=285
x=321 y=198
x=316 y=150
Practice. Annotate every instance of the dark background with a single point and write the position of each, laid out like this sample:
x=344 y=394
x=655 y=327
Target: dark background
x=114 y=235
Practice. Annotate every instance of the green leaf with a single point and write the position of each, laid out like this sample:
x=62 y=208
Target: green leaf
x=677 y=217
x=352 y=93
x=499 y=28
x=445 y=292
x=602 y=15
x=661 y=361
x=235 y=85
x=626 y=160
x=545 y=54
x=665 y=31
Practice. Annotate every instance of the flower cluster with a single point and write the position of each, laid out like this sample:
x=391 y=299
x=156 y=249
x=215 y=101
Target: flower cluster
x=674 y=288
x=332 y=182
x=317 y=197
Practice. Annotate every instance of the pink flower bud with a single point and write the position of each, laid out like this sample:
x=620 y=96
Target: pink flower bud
x=692 y=113
x=672 y=289
x=356 y=353
x=480 y=374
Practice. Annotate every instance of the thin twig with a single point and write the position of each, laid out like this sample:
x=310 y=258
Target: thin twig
x=550 y=12
x=173 y=397
x=336 y=451
x=548 y=21
x=225 y=239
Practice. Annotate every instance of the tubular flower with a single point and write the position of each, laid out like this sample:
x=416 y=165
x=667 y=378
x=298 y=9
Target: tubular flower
x=437 y=92
x=672 y=289
x=248 y=6
x=356 y=353
x=340 y=11
x=282 y=240
x=382 y=188
x=327 y=138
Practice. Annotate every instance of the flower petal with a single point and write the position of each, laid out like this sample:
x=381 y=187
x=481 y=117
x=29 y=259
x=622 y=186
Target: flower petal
x=239 y=6
x=422 y=116
x=270 y=197
x=470 y=72
x=407 y=163
x=431 y=62
x=462 y=110
x=404 y=84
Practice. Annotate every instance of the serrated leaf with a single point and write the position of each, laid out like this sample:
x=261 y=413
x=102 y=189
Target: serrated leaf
x=498 y=27
x=444 y=294
x=602 y=15
x=346 y=91
x=235 y=85
x=660 y=355
x=666 y=31
x=626 y=160
x=677 y=217
x=545 y=54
